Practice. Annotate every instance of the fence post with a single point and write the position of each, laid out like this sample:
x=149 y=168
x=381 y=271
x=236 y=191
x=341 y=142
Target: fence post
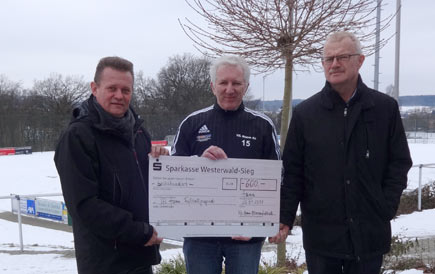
x=20 y=227
x=420 y=171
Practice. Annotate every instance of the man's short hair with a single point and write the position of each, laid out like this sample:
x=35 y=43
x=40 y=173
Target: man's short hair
x=340 y=35
x=230 y=60
x=113 y=62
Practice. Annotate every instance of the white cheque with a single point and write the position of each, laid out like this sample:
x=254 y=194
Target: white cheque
x=198 y=197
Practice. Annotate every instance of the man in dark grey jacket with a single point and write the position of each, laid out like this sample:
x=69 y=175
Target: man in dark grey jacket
x=346 y=160
x=102 y=161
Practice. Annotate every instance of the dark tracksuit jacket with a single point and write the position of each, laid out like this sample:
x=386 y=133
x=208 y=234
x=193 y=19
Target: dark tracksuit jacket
x=242 y=133
x=104 y=181
x=346 y=164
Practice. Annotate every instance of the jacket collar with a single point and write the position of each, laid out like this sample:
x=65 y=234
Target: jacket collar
x=86 y=110
x=228 y=112
x=330 y=98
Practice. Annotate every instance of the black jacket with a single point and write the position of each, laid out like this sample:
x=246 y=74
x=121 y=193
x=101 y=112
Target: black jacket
x=105 y=185
x=242 y=133
x=347 y=165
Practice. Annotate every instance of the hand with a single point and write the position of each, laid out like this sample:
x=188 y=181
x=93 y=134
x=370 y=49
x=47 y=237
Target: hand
x=156 y=151
x=214 y=153
x=154 y=239
x=241 y=238
x=281 y=235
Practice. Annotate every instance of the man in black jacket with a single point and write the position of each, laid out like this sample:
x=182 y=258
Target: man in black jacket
x=346 y=160
x=226 y=130
x=102 y=161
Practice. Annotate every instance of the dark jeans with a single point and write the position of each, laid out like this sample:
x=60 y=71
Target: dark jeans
x=318 y=264
x=139 y=270
x=204 y=257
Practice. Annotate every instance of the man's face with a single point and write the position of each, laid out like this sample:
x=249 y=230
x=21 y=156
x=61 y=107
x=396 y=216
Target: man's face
x=344 y=72
x=114 y=91
x=229 y=87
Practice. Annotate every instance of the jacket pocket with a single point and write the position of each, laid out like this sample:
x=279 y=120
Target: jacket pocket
x=371 y=191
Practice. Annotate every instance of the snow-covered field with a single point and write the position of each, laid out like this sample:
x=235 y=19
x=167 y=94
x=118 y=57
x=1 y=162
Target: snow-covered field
x=421 y=154
x=49 y=251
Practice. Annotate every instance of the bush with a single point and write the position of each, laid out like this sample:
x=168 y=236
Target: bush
x=397 y=258
x=177 y=266
x=409 y=200
x=406 y=254
x=173 y=266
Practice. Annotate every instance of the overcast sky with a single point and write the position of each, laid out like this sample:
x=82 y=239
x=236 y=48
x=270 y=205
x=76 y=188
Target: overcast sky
x=70 y=36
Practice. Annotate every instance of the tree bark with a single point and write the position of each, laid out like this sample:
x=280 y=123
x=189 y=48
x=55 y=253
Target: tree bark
x=285 y=121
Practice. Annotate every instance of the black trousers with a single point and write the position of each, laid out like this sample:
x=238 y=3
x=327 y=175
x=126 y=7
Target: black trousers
x=139 y=270
x=318 y=264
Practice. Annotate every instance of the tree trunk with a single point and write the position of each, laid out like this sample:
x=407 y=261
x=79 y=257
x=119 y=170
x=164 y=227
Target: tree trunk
x=285 y=121
x=287 y=101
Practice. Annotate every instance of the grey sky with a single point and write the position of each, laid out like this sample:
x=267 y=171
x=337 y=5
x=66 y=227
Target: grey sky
x=70 y=36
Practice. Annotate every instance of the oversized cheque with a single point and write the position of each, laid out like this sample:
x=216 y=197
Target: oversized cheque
x=197 y=197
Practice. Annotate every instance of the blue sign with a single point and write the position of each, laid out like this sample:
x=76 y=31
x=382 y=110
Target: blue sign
x=31 y=207
x=49 y=216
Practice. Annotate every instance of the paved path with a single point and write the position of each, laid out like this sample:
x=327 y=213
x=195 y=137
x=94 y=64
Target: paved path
x=9 y=216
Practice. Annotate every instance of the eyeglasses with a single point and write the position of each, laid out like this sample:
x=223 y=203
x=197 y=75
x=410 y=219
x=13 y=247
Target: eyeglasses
x=340 y=58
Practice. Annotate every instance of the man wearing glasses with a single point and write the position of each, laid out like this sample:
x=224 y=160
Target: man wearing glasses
x=346 y=161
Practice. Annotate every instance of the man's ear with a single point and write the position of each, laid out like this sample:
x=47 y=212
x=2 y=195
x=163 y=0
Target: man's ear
x=94 y=87
x=246 y=90
x=361 y=60
x=212 y=88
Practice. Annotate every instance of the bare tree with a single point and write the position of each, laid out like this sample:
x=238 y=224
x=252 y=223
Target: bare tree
x=272 y=34
x=10 y=93
x=141 y=100
x=181 y=87
x=62 y=93
x=58 y=96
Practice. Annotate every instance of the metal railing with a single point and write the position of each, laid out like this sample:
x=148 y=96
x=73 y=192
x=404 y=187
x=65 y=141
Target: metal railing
x=420 y=175
x=18 y=198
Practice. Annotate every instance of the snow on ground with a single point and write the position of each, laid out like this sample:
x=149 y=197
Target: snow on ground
x=414 y=109
x=421 y=154
x=415 y=225
x=28 y=174
x=49 y=251
x=38 y=238
x=37 y=264
x=45 y=250
x=411 y=271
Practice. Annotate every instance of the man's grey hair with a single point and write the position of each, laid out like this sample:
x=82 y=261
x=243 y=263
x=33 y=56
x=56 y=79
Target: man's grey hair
x=341 y=35
x=230 y=60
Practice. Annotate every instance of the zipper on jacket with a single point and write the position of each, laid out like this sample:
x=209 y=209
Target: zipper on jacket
x=140 y=170
x=367 y=142
x=116 y=182
x=345 y=111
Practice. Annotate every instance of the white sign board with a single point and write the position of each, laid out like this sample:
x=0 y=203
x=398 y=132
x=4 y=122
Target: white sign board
x=198 y=197
x=49 y=209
